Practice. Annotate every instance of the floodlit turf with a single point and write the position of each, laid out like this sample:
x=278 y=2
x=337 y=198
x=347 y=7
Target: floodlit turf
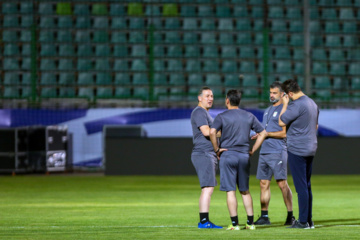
x=138 y=207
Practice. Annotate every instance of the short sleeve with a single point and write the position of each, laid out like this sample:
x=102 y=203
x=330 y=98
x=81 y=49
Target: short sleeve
x=256 y=125
x=290 y=114
x=200 y=118
x=217 y=124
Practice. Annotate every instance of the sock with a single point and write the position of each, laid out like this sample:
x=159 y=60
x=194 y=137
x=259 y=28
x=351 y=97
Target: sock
x=250 y=220
x=264 y=213
x=234 y=220
x=290 y=214
x=204 y=217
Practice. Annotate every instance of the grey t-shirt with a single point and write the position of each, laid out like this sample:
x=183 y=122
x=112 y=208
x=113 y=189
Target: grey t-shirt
x=235 y=126
x=301 y=118
x=201 y=117
x=271 y=124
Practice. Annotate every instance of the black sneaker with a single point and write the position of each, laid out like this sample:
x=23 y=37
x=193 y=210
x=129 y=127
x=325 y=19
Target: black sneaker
x=311 y=225
x=290 y=221
x=298 y=224
x=262 y=221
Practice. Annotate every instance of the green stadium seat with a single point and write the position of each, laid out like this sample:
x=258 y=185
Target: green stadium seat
x=250 y=81
x=65 y=22
x=208 y=38
x=176 y=79
x=190 y=38
x=85 y=50
x=9 y=21
x=247 y=66
x=243 y=25
x=296 y=40
x=121 y=65
x=117 y=9
x=170 y=10
x=46 y=36
x=152 y=10
x=223 y=11
x=207 y=24
x=10 y=64
x=120 y=37
x=101 y=22
x=210 y=52
x=64 y=36
x=82 y=9
x=258 y=25
x=48 y=78
x=82 y=36
x=11 y=50
x=279 y=39
x=332 y=27
x=11 y=79
x=136 y=23
x=138 y=51
x=48 y=92
x=9 y=8
x=293 y=13
x=123 y=92
x=102 y=50
x=275 y=2
x=174 y=51
x=276 y=12
x=355 y=83
x=210 y=66
x=177 y=94
x=225 y=24
x=283 y=67
x=350 y=41
x=118 y=23
x=319 y=68
x=66 y=64
x=190 y=24
x=100 y=37
x=243 y=38
x=353 y=54
x=46 y=8
x=347 y=14
x=329 y=14
x=298 y=54
x=48 y=50
x=99 y=9
x=63 y=8
x=315 y=26
x=193 y=65
x=122 y=79
x=47 y=65
x=159 y=51
x=192 y=51
x=188 y=11
x=135 y=9
x=140 y=79
x=85 y=78
x=102 y=64
x=141 y=93
x=120 y=51
x=205 y=11
x=336 y=55
x=26 y=64
x=160 y=93
x=213 y=80
x=45 y=22
x=11 y=92
x=10 y=36
x=103 y=78
x=172 y=23
x=278 y=26
x=26 y=92
x=226 y=38
x=218 y=92
x=174 y=65
x=26 y=21
x=354 y=69
x=282 y=53
x=86 y=92
x=340 y=84
x=323 y=95
x=26 y=79
x=296 y=26
x=159 y=65
x=299 y=68
x=318 y=54
x=240 y=11
x=138 y=65
x=229 y=66
x=345 y=3
x=160 y=79
x=104 y=92
x=314 y=13
x=349 y=27
x=232 y=80
x=228 y=52
x=67 y=92
x=257 y=12
x=195 y=79
x=172 y=37
x=83 y=22
x=332 y=41
x=84 y=65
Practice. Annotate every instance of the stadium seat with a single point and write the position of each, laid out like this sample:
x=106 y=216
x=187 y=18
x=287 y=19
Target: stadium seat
x=26 y=64
x=226 y=38
x=229 y=66
x=102 y=50
x=83 y=22
x=170 y=10
x=82 y=36
x=172 y=37
x=354 y=69
x=176 y=79
x=48 y=50
x=332 y=27
x=67 y=92
x=228 y=52
x=100 y=37
x=298 y=54
x=345 y=3
x=190 y=37
x=349 y=27
x=82 y=9
x=207 y=24
x=347 y=14
x=243 y=38
x=283 y=67
x=85 y=78
x=190 y=24
x=136 y=23
x=141 y=93
x=28 y=20
x=193 y=65
x=9 y=21
x=122 y=79
x=208 y=38
x=247 y=66
x=213 y=80
x=123 y=92
x=257 y=12
x=26 y=50
x=250 y=81
x=172 y=23
x=296 y=26
x=46 y=8
x=121 y=65
x=102 y=64
x=340 y=84
x=293 y=13
x=296 y=40
x=240 y=11
x=258 y=25
x=336 y=55
x=160 y=79
x=350 y=41
x=66 y=64
x=104 y=92
x=192 y=51
x=118 y=23
x=225 y=24
x=323 y=95
x=64 y=36
x=9 y=8
x=48 y=92
x=117 y=9
x=188 y=11
x=138 y=65
x=86 y=92
x=135 y=9
x=26 y=79
x=138 y=51
x=332 y=41
x=174 y=51
x=276 y=12
x=103 y=78
x=278 y=26
x=282 y=53
x=11 y=50
x=159 y=51
x=322 y=82
x=11 y=92
x=159 y=65
x=120 y=37
x=10 y=36
x=66 y=79
x=319 y=68
x=85 y=50
x=329 y=14
x=222 y=11
x=65 y=22
x=160 y=93
x=101 y=22
x=279 y=39
x=174 y=65
x=152 y=10
x=355 y=83
x=210 y=66
x=243 y=25
x=318 y=54
x=99 y=9
x=63 y=9
x=195 y=79
x=210 y=51
x=11 y=79
x=46 y=36
x=120 y=51
x=232 y=80
x=205 y=11
x=84 y=65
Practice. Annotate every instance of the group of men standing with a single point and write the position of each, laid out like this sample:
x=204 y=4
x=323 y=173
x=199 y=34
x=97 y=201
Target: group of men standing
x=225 y=141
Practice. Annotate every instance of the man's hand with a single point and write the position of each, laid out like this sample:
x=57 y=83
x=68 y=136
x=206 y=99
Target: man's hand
x=255 y=136
x=285 y=99
x=221 y=150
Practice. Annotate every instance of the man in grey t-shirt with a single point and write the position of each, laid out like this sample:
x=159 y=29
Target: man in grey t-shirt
x=203 y=157
x=301 y=118
x=273 y=158
x=235 y=125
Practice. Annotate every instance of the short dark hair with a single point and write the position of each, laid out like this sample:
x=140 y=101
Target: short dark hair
x=291 y=85
x=203 y=89
x=234 y=97
x=277 y=84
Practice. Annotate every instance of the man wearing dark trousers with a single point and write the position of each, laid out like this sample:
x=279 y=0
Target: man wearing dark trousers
x=273 y=158
x=235 y=125
x=203 y=157
x=301 y=118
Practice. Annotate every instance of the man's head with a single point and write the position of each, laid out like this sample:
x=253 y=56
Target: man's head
x=276 y=92
x=206 y=98
x=233 y=98
x=291 y=87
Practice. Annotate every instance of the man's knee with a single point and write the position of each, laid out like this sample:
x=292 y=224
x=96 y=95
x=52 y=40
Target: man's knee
x=264 y=184
x=283 y=185
x=245 y=192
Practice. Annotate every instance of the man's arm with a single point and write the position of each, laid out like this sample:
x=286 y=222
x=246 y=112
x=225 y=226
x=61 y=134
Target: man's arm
x=279 y=134
x=205 y=129
x=214 y=142
x=285 y=101
x=260 y=139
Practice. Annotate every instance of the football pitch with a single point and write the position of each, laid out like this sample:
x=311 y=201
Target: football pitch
x=160 y=207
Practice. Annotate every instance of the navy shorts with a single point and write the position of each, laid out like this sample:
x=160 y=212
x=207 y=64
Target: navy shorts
x=234 y=171
x=206 y=164
x=272 y=164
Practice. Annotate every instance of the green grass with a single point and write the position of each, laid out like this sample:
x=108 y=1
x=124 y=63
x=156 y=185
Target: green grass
x=158 y=207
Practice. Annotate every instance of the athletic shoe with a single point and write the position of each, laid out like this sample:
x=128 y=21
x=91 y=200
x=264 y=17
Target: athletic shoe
x=208 y=224
x=290 y=221
x=311 y=225
x=298 y=224
x=232 y=227
x=250 y=227
x=262 y=221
